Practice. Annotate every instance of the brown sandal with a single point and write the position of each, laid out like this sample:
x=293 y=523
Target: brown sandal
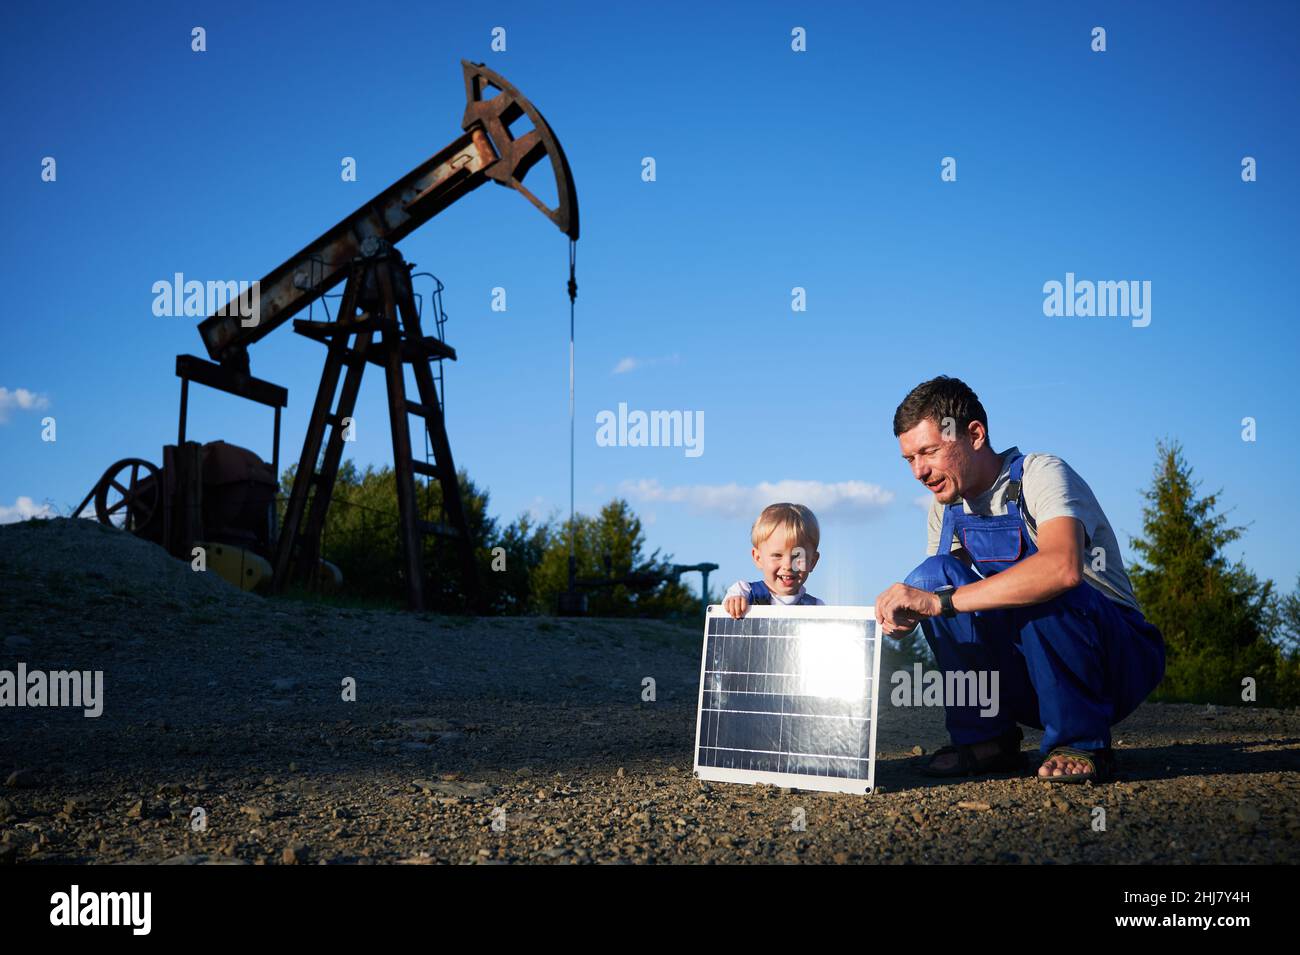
x=1008 y=758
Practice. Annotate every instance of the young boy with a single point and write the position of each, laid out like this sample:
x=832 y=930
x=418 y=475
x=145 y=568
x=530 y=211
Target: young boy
x=785 y=539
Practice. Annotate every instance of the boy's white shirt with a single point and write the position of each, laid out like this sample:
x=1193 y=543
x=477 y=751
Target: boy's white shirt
x=741 y=589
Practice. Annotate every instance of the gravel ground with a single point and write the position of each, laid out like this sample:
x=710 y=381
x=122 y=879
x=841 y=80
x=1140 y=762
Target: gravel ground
x=512 y=740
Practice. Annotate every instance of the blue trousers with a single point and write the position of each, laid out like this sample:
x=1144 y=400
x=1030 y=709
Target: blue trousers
x=1073 y=666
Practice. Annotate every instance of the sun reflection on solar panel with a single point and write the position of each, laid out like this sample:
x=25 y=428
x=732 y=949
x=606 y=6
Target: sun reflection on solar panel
x=832 y=662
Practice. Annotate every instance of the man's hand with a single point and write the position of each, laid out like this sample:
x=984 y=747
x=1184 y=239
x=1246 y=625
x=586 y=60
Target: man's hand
x=736 y=606
x=900 y=608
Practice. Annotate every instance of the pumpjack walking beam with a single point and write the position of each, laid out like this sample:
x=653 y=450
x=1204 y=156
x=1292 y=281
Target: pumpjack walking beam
x=488 y=150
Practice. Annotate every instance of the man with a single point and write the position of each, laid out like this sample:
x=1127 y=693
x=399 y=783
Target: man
x=1025 y=579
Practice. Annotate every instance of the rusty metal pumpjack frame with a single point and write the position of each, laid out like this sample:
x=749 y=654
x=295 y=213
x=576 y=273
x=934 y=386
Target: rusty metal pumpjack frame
x=378 y=286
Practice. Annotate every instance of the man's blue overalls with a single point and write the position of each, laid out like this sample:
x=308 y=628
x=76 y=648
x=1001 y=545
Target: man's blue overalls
x=1072 y=666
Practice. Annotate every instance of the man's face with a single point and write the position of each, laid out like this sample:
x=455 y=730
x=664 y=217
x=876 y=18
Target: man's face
x=785 y=562
x=943 y=462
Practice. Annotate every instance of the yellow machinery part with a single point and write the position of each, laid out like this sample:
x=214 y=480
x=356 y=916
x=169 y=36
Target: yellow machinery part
x=237 y=566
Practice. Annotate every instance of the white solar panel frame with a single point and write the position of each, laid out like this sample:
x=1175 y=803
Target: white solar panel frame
x=794 y=780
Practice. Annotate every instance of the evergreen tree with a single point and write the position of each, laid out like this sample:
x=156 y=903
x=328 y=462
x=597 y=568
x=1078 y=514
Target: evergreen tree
x=1287 y=624
x=1215 y=615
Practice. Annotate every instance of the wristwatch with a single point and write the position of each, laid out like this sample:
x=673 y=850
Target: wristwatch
x=944 y=594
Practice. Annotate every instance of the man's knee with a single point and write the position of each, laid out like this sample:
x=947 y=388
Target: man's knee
x=939 y=570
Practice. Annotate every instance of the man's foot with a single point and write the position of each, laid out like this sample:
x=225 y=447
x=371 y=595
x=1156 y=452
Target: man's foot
x=1062 y=765
x=947 y=759
x=1069 y=765
x=999 y=755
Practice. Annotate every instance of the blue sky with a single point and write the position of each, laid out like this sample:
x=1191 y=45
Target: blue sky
x=775 y=169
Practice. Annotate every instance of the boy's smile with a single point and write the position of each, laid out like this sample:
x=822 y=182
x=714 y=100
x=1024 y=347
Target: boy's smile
x=784 y=562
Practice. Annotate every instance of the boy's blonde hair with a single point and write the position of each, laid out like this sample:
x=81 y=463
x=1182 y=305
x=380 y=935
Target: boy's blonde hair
x=796 y=519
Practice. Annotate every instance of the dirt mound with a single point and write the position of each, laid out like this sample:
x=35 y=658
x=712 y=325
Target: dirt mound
x=76 y=555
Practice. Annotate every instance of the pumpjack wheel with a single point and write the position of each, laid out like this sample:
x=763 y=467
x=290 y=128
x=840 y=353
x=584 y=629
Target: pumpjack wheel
x=134 y=500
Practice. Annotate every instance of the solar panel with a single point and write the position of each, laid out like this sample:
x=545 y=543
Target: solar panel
x=788 y=697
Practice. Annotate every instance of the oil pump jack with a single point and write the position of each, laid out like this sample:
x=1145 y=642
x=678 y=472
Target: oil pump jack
x=190 y=500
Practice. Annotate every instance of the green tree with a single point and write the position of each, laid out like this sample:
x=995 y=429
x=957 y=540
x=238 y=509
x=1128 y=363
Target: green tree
x=611 y=546
x=522 y=567
x=1286 y=623
x=523 y=545
x=361 y=538
x=1216 y=616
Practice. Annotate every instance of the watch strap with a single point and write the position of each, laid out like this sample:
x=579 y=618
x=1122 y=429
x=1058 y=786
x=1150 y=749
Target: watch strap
x=945 y=600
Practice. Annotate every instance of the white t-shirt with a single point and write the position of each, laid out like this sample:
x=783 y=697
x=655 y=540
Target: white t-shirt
x=1050 y=488
x=741 y=589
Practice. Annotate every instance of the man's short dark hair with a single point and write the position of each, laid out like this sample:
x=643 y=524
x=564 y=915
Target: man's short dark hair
x=937 y=399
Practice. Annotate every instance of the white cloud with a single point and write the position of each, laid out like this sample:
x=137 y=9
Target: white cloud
x=845 y=500
x=22 y=399
x=923 y=502
x=25 y=509
x=631 y=364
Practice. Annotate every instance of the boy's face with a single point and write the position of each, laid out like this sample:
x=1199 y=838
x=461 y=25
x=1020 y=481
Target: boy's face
x=785 y=562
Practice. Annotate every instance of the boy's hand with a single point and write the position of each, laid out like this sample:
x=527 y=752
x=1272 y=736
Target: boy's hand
x=737 y=607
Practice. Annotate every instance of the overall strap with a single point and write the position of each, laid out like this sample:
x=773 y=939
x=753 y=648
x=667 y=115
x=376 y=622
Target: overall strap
x=1014 y=485
x=758 y=593
x=947 y=531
